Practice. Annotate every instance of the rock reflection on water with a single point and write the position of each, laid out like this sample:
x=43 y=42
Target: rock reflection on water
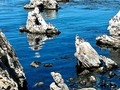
x=50 y=14
x=36 y=41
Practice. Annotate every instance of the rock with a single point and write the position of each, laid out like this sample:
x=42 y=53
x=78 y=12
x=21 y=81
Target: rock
x=58 y=83
x=103 y=83
x=35 y=64
x=36 y=24
x=109 y=63
x=112 y=41
x=102 y=69
x=83 y=82
x=48 y=65
x=71 y=79
x=114 y=25
x=92 y=79
x=85 y=54
x=87 y=89
x=112 y=85
x=88 y=58
x=39 y=84
x=111 y=74
x=12 y=76
x=43 y=4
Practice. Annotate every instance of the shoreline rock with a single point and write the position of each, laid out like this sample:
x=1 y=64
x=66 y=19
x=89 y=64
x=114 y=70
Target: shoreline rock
x=112 y=40
x=36 y=24
x=12 y=76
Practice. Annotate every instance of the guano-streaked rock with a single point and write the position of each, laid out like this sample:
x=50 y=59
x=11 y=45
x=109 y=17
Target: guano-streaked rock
x=88 y=58
x=12 y=76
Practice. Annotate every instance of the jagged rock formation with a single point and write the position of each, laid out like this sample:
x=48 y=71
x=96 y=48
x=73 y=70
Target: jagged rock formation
x=44 y=4
x=114 y=39
x=36 y=24
x=59 y=82
x=89 y=58
x=12 y=76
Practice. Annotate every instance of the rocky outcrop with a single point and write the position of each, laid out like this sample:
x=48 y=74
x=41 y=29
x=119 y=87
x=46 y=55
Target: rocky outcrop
x=58 y=83
x=36 y=24
x=88 y=58
x=114 y=39
x=12 y=76
x=42 y=4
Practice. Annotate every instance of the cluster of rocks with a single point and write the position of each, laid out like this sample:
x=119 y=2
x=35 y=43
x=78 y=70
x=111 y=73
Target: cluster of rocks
x=88 y=58
x=12 y=76
x=43 y=4
x=36 y=24
x=112 y=40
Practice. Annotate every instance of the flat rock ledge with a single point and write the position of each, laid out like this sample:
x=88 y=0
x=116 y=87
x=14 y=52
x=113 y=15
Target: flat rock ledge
x=12 y=76
x=112 y=40
x=58 y=83
x=88 y=58
x=43 y=4
x=36 y=24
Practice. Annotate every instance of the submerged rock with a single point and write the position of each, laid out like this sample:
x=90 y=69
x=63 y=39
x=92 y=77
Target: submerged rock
x=35 y=64
x=39 y=84
x=58 y=83
x=12 y=76
x=88 y=58
x=114 y=39
x=36 y=24
x=42 y=4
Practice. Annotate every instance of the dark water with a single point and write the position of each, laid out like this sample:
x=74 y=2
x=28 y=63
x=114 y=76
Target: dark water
x=87 y=18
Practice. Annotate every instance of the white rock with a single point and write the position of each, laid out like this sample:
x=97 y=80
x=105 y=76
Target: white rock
x=88 y=57
x=114 y=39
x=59 y=82
x=36 y=24
x=114 y=25
x=48 y=4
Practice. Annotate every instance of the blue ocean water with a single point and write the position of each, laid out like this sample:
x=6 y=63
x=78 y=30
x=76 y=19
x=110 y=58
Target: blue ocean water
x=87 y=18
